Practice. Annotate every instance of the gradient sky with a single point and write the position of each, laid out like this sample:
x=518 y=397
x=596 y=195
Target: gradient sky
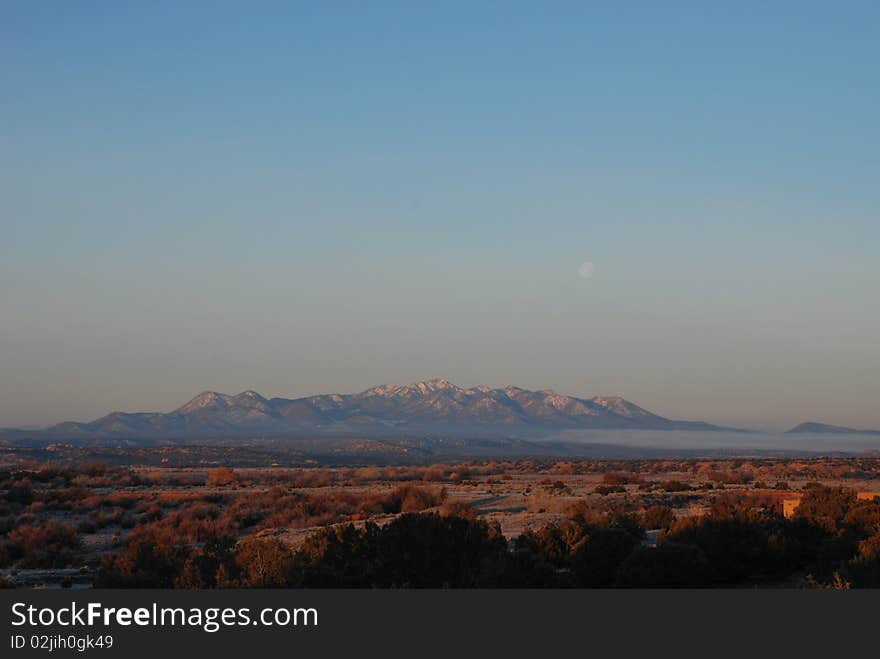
x=309 y=197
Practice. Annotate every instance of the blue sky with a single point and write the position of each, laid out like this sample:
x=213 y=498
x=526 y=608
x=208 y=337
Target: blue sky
x=306 y=197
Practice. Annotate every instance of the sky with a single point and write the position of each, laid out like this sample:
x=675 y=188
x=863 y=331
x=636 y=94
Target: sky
x=673 y=202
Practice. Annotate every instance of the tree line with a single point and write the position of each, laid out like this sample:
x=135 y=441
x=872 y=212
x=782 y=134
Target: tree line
x=834 y=540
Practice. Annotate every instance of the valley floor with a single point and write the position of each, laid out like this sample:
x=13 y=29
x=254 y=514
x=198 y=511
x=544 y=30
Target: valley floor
x=63 y=523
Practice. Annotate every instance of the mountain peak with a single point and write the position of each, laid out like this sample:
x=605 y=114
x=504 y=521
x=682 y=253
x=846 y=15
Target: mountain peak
x=251 y=394
x=436 y=384
x=814 y=427
x=424 y=387
x=552 y=394
x=622 y=406
x=205 y=400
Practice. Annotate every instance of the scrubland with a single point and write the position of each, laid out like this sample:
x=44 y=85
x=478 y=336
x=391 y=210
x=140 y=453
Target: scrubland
x=522 y=523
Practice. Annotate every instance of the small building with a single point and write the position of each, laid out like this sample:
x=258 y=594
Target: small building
x=790 y=505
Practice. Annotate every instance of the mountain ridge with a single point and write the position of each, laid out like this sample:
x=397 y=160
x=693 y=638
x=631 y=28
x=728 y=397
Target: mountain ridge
x=823 y=428
x=429 y=406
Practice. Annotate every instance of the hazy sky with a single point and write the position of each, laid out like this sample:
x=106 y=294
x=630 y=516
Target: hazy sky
x=673 y=202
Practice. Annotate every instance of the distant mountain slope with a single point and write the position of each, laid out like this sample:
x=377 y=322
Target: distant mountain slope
x=432 y=406
x=812 y=427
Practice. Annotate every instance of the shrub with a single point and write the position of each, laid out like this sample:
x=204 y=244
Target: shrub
x=419 y=551
x=413 y=499
x=263 y=563
x=21 y=493
x=605 y=490
x=620 y=478
x=657 y=517
x=588 y=547
x=675 y=486
x=458 y=509
x=595 y=559
x=826 y=506
x=222 y=476
x=668 y=565
x=749 y=547
x=145 y=564
x=50 y=545
x=864 y=517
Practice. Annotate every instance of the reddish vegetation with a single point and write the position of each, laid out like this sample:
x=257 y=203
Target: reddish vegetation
x=46 y=545
x=526 y=523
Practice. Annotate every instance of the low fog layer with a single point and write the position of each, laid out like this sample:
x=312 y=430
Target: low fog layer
x=695 y=440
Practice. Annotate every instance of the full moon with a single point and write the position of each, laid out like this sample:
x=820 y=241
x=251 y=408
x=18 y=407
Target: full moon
x=586 y=269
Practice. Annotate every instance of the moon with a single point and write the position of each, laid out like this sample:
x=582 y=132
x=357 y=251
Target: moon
x=586 y=269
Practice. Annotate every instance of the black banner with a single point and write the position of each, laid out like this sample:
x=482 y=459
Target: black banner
x=231 y=623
